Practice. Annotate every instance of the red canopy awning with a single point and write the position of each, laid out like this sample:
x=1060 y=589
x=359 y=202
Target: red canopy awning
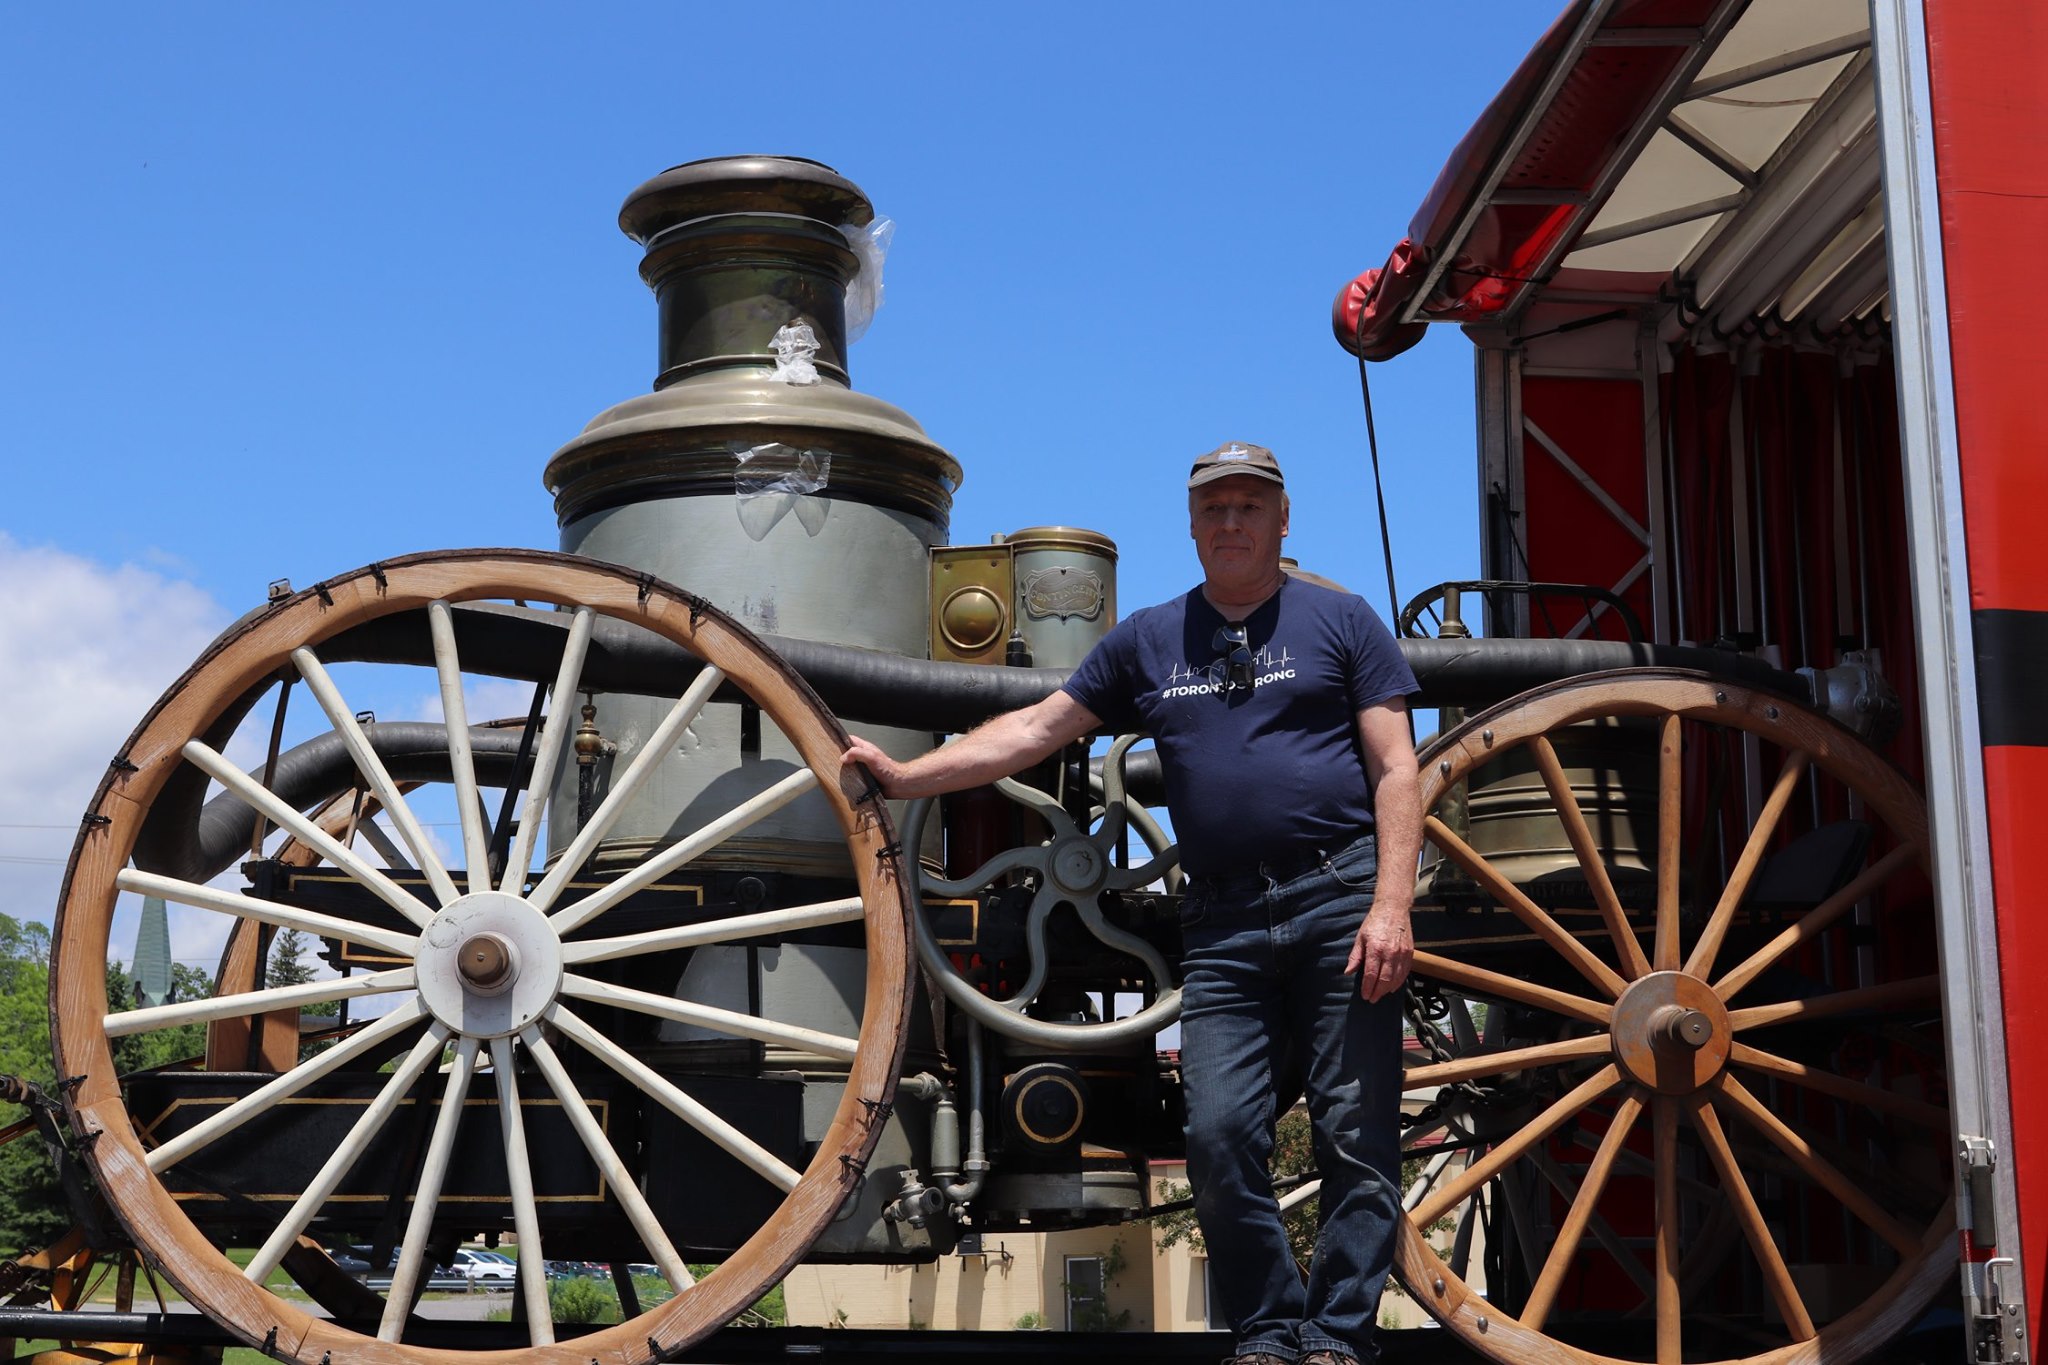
x=1528 y=176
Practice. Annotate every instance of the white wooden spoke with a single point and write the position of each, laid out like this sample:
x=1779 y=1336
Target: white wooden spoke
x=374 y=772
x=710 y=1017
x=345 y=1156
x=269 y=912
x=554 y=735
x=624 y=1187
x=844 y=911
x=678 y=1102
x=308 y=833
x=1300 y=1195
x=419 y=1225
x=758 y=807
x=1426 y=1179
x=476 y=832
x=285 y=1086
x=658 y=746
x=533 y=1275
x=258 y=1002
x=1701 y=963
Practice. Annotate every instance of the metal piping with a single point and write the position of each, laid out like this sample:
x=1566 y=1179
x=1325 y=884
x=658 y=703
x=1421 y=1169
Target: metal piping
x=870 y=687
x=975 y=1167
x=183 y=838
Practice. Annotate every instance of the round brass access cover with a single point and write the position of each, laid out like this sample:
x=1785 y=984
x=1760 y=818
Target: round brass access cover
x=972 y=618
x=1655 y=1023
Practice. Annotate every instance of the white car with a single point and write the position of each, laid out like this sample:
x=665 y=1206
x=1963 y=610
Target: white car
x=475 y=1264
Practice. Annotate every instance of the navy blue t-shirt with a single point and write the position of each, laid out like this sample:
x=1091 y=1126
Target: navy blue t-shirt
x=1269 y=773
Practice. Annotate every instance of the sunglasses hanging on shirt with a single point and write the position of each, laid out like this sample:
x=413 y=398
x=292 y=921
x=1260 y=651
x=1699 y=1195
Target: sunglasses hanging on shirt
x=1238 y=674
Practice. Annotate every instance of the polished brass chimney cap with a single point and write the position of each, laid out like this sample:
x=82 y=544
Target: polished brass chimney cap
x=743 y=184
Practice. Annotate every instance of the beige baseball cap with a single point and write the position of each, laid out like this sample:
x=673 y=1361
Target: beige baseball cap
x=1235 y=457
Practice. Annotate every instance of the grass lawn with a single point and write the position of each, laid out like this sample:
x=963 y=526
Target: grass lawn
x=233 y=1355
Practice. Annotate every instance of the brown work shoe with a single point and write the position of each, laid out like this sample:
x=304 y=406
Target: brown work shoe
x=1327 y=1358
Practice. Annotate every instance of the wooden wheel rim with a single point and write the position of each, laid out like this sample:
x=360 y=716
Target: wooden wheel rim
x=241 y=660
x=1898 y=1302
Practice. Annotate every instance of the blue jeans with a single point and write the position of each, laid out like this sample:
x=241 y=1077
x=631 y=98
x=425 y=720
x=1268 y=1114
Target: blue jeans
x=1265 y=999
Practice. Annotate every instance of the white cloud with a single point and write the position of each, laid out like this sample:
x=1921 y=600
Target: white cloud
x=85 y=650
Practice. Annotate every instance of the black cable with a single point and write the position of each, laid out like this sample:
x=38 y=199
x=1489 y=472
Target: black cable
x=1507 y=521
x=1372 y=442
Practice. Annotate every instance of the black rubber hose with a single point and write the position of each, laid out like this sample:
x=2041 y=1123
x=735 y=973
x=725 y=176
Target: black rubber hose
x=863 y=686
x=870 y=687
x=184 y=839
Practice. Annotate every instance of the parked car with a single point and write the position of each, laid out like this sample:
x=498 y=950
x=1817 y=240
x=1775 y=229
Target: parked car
x=349 y=1264
x=484 y=1267
x=577 y=1270
x=438 y=1277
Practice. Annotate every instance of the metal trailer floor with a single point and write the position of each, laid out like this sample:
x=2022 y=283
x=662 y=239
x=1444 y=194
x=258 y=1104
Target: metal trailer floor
x=1938 y=1341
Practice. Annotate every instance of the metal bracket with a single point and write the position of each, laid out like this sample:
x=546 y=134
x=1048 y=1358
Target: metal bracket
x=1993 y=1293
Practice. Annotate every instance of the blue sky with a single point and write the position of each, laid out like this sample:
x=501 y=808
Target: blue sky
x=292 y=288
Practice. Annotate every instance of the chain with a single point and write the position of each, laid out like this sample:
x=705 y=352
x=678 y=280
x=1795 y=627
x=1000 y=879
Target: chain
x=1425 y=1005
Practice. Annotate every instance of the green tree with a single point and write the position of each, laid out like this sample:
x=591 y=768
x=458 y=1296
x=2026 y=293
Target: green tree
x=288 y=967
x=159 y=1047
x=32 y=1206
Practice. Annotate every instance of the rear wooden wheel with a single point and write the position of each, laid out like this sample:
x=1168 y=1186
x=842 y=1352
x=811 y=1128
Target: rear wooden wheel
x=491 y=994
x=1694 y=1054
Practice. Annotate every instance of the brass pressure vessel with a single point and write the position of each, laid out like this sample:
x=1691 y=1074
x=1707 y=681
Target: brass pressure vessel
x=805 y=509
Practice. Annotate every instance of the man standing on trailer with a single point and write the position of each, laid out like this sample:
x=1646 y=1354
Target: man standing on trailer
x=1280 y=712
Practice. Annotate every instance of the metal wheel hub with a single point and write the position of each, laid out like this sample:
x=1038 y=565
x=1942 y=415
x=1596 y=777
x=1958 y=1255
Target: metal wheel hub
x=489 y=965
x=1671 y=1033
x=1077 y=866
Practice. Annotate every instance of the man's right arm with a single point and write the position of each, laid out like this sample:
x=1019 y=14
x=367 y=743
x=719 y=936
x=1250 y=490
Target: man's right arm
x=1010 y=742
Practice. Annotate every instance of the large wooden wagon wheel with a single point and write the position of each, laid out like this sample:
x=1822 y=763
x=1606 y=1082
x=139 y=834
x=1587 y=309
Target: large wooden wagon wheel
x=497 y=981
x=1713 y=1054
